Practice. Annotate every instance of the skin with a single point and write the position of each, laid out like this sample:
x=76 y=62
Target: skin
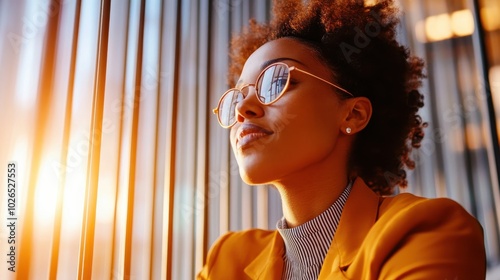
x=306 y=155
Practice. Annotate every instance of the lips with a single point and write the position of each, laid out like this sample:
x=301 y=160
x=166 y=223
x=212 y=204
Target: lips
x=249 y=133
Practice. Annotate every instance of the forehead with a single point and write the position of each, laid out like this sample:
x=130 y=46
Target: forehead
x=288 y=50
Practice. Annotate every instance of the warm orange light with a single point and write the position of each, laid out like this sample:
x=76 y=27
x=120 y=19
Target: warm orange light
x=46 y=196
x=490 y=17
x=462 y=23
x=474 y=136
x=438 y=27
x=495 y=92
x=420 y=31
x=46 y=191
x=445 y=26
x=495 y=81
x=369 y=3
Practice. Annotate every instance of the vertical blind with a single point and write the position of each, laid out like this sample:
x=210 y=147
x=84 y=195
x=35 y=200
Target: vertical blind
x=123 y=172
x=459 y=154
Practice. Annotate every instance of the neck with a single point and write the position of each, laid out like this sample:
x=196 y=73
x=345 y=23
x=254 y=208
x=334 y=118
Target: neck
x=308 y=192
x=306 y=197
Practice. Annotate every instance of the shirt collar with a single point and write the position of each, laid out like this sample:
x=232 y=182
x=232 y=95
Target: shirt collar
x=361 y=207
x=306 y=245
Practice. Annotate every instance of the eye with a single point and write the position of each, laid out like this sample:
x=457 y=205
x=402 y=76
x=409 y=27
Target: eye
x=279 y=83
x=292 y=82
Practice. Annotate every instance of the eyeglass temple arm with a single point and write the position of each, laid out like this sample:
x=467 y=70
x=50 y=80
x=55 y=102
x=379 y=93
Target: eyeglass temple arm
x=321 y=79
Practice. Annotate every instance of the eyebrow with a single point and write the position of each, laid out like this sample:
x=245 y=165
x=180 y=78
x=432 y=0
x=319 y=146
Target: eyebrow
x=271 y=61
x=279 y=59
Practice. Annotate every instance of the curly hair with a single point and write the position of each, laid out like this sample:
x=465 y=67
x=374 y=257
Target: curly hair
x=358 y=43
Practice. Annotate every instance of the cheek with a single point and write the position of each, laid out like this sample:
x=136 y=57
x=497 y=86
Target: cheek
x=314 y=125
x=310 y=137
x=304 y=135
x=304 y=141
x=232 y=133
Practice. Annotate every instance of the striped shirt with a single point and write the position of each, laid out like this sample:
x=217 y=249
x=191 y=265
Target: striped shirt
x=306 y=245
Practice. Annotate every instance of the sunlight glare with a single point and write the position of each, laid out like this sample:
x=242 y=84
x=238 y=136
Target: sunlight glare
x=46 y=191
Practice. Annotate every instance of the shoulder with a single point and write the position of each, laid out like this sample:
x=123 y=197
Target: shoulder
x=436 y=212
x=238 y=249
x=438 y=218
x=428 y=237
x=254 y=239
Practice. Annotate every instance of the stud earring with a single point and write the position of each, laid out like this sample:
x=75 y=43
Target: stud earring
x=348 y=130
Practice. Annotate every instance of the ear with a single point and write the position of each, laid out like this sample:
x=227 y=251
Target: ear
x=358 y=114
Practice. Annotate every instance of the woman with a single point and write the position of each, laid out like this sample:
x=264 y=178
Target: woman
x=325 y=109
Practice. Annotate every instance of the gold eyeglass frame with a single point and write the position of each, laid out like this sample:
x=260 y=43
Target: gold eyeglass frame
x=290 y=69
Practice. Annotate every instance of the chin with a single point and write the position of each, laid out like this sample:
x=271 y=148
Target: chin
x=252 y=179
x=249 y=180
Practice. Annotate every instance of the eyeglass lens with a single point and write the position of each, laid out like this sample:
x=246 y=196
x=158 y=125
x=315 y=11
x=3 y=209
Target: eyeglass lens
x=269 y=87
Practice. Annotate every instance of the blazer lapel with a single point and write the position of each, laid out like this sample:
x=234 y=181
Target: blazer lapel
x=269 y=263
x=358 y=216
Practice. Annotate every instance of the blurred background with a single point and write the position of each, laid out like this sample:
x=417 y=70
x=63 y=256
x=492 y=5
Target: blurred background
x=124 y=173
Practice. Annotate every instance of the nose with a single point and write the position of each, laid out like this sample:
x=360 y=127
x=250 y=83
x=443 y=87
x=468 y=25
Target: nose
x=250 y=107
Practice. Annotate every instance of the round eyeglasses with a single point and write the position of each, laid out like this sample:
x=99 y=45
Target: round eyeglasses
x=271 y=84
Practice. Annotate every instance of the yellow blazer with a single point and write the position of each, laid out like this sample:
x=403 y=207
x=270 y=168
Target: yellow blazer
x=400 y=237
